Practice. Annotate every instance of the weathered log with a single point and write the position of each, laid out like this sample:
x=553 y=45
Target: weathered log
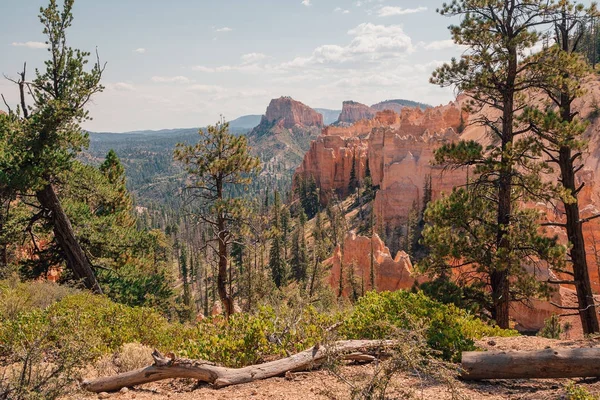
x=168 y=368
x=548 y=363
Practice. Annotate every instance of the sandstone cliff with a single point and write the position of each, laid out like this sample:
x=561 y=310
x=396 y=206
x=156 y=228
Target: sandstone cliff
x=288 y=113
x=353 y=111
x=284 y=134
x=398 y=148
x=355 y=265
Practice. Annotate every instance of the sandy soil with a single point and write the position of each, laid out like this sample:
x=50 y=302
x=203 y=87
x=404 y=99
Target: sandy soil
x=325 y=385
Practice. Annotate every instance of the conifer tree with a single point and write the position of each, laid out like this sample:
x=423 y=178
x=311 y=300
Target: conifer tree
x=218 y=161
x=276 y=258
x=497 y=34
x=561 y=69
x=353 y=183
x=299 y=261
x=47 y=134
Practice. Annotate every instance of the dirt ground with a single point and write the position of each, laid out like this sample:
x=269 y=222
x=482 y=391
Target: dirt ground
x=325 y=385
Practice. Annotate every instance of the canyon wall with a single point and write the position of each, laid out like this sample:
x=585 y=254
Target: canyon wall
x=398 y=149
x=355 y=265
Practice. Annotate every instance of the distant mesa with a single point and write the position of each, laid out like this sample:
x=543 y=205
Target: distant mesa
x=245 y=122
x=288 y=113
x=353 y=111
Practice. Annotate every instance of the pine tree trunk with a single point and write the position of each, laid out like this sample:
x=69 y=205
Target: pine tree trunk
x=499 y=277
x=65 y=237
x=222 y=275
x=585 y=296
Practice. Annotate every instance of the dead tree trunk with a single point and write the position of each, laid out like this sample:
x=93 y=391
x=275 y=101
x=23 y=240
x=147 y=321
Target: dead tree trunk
x=76 y=259
x=169 y=368
x=548 y=363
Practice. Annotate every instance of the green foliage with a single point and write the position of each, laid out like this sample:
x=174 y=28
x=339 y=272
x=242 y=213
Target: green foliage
x=299 y=262
x=277 y=261
x=48 y=137
x=576 y=392
x=448 y=328
x=308 y=194
x=552 y=328
x=447 y=292
x=461 y=232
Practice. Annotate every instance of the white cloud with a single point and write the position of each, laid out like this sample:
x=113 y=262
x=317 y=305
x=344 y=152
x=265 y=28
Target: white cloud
x=389 y=11
x=306 y=3
x=440 y=45
x=341 y=10
x=170 y=79
x=224 y=29
x=252 y=58
x=202 y=68
x=140 y=50
x=31 y=45
x=121 y=87
x=370 y=42
x=206 y=88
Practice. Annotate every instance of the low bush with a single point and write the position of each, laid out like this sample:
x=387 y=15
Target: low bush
x=575 y=392
x=67 y=330
x=449 y=330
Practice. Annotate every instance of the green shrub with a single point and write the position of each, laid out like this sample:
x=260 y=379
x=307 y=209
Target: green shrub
x=552 y=328
x=575 y=392
x=449 y=329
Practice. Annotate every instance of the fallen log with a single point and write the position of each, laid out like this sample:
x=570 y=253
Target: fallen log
x=172 y=367
x=548 y=363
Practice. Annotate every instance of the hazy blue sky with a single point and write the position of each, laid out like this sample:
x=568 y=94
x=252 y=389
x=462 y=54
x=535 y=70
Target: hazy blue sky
x=182 y=63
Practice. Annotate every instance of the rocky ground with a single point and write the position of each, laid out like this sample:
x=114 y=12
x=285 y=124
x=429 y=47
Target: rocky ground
x=327 y=385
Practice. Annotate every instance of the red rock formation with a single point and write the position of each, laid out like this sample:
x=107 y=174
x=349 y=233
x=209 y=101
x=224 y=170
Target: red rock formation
x=390 y=273
x=353 y=112
x=289 y=113
x=399 y=149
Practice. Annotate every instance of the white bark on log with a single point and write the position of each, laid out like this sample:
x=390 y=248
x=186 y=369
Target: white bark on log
x=168 y=368
x=549 y=363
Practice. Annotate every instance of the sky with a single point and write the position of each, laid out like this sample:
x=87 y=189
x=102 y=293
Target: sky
x=183 y=63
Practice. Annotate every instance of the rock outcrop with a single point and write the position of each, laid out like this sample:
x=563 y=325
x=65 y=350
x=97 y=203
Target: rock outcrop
x=398 y=149
x=284 y=134
x=288 y=113
x=354 y=265
x=353 y=111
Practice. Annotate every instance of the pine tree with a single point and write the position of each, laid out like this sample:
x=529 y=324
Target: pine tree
x=276 y=259
x=353 y=183
x=562 y=70
x=218 y=161
x=299 y=262
x=47 y=135
x=497 y=34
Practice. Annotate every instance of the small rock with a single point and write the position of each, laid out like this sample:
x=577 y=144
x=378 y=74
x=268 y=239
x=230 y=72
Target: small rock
x=103 y=395
x=491 y=343
x=124 y=390
x=133 y=395
x=253 y=393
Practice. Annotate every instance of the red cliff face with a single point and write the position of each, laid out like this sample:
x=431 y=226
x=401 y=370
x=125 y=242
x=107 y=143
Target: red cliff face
x=289 y=113
x=353 y=112
x=399 y=150
x=354 y=266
